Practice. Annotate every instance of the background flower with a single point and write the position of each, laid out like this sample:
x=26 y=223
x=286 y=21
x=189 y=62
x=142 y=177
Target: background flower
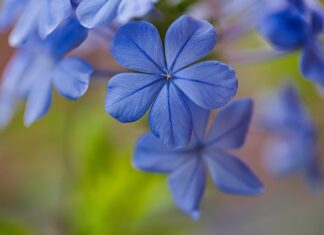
x=130 y=9
x=39 y=65
x=293 y=148
x=298 y=25
x=42 y=17
x=187 y=167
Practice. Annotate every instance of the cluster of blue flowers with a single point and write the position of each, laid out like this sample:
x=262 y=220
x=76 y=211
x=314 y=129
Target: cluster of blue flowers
x=169 y=81
x=41 y=64
x=45 y=32
x=298 y=25
x=43 y=17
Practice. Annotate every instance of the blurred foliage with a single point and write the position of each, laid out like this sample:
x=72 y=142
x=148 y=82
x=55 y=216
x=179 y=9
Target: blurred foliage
x=13 y=227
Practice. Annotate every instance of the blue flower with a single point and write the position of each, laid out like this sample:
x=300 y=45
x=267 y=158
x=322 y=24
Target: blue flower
x=130 y=9
x=187 y=167
x=38 y=66
x=9 y=11
x=298 y=25
x=293 y=148
x=167 y=80
x=46 y=15
x=37 y=16
x=94 y=13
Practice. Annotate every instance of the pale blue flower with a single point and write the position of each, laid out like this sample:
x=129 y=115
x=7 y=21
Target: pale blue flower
x=42 y=17
x=130 y=9
x=293 y=149
x=96 y=13
x=209 y=151
x=40 y=65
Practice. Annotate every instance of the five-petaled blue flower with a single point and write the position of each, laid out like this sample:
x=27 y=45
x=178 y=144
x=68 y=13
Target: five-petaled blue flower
x=167 y=79
x=39 y=65
x=187 y=167
x=293 y=148
x=298 y=25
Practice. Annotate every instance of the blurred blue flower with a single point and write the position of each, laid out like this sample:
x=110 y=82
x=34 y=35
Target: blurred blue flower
x=187 y=167
x=130 y=9
x=94 y=13
x=36 y=16
x=39 y=65
x=293 y=148
x=167 y=78
x=9 y=11
x=46 y=15
x=298 y=25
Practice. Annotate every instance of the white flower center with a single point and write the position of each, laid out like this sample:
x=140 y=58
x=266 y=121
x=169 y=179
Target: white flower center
x=167 y=76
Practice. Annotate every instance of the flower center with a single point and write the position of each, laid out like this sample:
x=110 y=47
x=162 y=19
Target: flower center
x=167 y=76
x=200 y=147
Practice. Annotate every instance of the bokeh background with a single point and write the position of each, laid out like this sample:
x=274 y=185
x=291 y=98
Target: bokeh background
x=71 y=173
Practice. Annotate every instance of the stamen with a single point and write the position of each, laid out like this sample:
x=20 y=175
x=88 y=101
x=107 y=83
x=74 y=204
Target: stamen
x=167 y=76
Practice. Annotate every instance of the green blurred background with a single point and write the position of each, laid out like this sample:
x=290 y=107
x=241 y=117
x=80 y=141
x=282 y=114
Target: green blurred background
x=71 y=172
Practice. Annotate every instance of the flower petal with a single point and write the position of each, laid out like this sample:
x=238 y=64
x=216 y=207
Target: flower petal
x=134 y=8
x=8 y=107
x=289 y=96
x=9 y=93
x=209 y=84
x=65 y=38
x=15 y=71
x=131 y=94
x=9 y=10
x=284 y=157
x=138 y=46
x=285 y=29
x=38 y=100
x=231 y=125
x=152 y=156
x=317 y=20
x=93 y=13
x=35 y=87
x=200 y=118
x=187 y=185
x=71 y=77
x=232 y=176
x=299 y=4
x=312 y=64
x=170 y=118
x=188 y=40
x=284 y=112
x=26 y=25
x=53 y=13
